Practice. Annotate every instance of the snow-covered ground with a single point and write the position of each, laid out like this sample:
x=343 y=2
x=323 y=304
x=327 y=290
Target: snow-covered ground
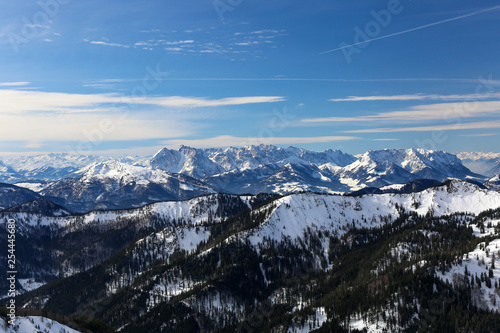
x=375 y=322
x=34 y=324
x=30 y=284
x=479 y=263
x=311 y=323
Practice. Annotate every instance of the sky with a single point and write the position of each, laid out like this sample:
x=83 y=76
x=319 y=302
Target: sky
x=131 y=77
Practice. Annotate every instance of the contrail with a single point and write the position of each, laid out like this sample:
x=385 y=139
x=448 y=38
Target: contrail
x=458 y=80
x=414 y=29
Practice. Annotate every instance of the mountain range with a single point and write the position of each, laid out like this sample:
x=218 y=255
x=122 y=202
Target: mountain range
x=487 y=164
x=253 y=239
x=83 y=183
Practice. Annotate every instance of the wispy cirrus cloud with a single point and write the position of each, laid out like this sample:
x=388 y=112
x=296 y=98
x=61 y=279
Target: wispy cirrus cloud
x=424 y=113
x=271 y=32
x=448 y=127
x=14 y=84
x=417 y=97
x=36 y=117
x=479 y=135
x=20 y=101
x=192 y=102
x=200 y=41
x=228 y=140
x=40 y=128
x=100 y=42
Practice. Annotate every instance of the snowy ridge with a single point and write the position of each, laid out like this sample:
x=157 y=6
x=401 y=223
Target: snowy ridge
x=193 y=212
x=292 y=213
x=209 y=162
x=337 y=213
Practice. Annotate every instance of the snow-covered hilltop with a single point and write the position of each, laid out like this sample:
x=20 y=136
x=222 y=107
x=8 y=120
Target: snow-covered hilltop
x=296 y=213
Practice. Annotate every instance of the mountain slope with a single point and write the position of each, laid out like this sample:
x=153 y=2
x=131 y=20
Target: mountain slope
x=7 y=174
x=35 y=324
x=11 y=195
x=370 y=211
x=271 y=178
x=57 y=244
x=41 y=206
x=113 y=184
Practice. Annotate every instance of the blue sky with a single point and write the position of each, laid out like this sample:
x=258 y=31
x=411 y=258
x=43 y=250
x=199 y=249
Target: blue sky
x=130 y=77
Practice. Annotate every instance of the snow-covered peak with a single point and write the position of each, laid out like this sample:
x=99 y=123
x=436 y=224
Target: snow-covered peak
x=412 y=160
x=168 y=160
x=121 y=172
x=111 y=169
x=189 y=161
x=427 y=163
